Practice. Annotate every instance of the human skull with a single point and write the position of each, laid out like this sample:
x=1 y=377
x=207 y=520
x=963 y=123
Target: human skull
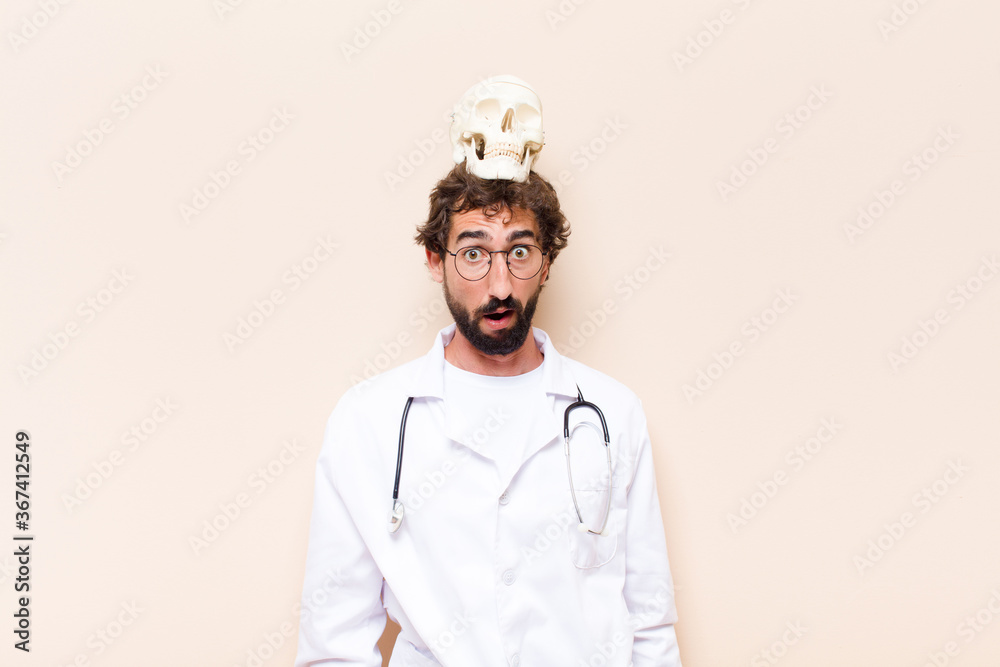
x=497 y=128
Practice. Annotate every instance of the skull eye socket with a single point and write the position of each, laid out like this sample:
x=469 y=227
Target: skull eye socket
x=488 y=109
x=529 y=115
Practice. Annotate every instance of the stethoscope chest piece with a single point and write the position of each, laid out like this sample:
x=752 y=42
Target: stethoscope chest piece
x=396 y=516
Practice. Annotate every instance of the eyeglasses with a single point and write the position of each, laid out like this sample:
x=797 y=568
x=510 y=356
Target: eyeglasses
x=523 y=261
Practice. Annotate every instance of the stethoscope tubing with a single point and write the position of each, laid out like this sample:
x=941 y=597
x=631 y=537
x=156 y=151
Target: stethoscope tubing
x=399 y=456
x=581 y=403
x=396 y=515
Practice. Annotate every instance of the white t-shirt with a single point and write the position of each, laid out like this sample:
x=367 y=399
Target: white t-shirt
x=495 y=412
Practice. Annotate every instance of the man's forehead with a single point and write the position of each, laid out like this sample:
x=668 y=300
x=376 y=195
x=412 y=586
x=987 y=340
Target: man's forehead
x=508 y=223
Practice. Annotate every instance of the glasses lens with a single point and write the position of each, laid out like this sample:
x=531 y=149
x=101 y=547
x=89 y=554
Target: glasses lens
x=472 y=263
x=524 y=261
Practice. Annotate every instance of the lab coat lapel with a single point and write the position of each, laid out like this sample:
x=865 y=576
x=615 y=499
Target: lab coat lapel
x=558 y=384
x=453 y=431
x=429 y=382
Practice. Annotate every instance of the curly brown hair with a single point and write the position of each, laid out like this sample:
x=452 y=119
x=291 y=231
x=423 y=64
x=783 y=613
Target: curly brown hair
x=461 y=191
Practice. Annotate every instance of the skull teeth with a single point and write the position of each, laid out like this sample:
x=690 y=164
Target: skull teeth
x=507 y=150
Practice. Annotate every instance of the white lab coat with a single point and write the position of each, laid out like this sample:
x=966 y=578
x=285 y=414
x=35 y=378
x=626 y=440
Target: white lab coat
x=485 y=571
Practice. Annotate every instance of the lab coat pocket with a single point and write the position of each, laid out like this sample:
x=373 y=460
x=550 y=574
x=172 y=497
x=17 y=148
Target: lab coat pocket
x=405 y=654
x=588 y=550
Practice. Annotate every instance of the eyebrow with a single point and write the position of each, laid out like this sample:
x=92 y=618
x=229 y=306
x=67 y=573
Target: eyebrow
x=483 y=236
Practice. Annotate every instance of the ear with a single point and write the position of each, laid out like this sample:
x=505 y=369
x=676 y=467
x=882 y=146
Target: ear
x=436 y=265
x=545 y=271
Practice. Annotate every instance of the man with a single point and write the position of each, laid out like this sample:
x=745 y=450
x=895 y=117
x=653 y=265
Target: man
x=491 y=556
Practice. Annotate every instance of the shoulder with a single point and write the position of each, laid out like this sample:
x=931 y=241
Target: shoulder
x=601 y=388
x=367 y=412
x=372 y=395
x=622 y=411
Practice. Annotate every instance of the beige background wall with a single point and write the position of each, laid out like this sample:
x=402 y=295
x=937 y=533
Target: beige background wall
x=132 y=303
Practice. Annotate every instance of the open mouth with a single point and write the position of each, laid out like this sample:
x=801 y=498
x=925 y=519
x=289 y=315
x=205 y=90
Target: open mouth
x=499 y=319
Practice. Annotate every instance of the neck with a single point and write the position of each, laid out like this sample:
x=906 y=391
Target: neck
x=462 y=354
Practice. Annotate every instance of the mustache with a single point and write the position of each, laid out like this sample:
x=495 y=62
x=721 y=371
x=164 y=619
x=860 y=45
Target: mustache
x=510 y=303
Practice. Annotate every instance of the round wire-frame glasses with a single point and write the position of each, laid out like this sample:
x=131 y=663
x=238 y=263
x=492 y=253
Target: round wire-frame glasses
x=474 y=263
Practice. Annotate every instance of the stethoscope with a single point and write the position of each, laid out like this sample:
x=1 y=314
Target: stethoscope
x=396 y=514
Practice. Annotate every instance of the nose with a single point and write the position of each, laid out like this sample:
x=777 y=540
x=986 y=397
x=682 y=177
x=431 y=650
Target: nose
x=507 y=124
x=500 y=280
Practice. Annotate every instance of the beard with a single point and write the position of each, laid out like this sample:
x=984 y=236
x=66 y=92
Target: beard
x=500 y=342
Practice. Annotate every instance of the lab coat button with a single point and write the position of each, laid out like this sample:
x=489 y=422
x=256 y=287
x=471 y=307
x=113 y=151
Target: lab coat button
x=509 y=577
x=504 y=499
